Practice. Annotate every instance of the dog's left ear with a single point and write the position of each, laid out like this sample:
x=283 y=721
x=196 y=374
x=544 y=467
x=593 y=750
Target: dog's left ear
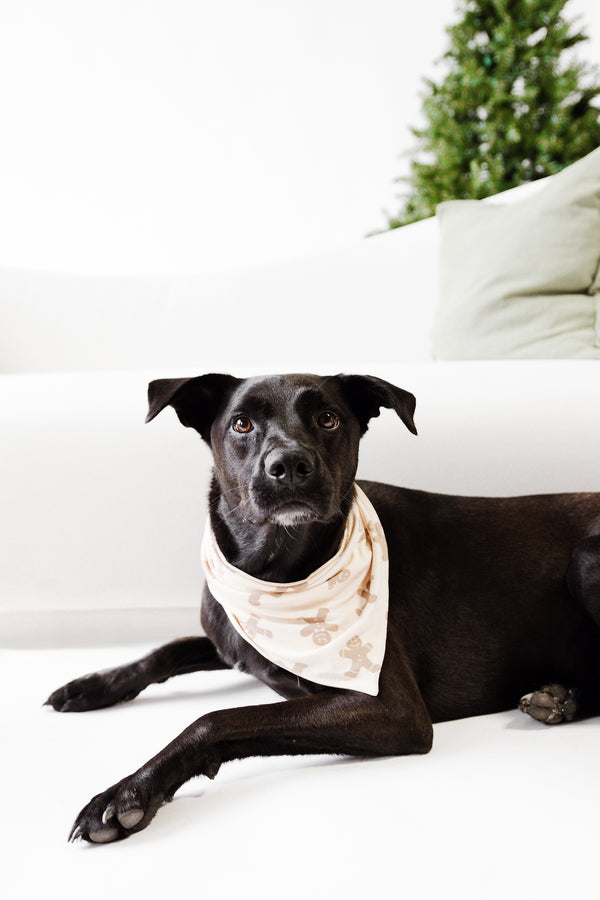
x=195 y=400
x=367 y=394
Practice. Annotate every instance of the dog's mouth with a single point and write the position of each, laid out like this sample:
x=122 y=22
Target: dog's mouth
x=290 y=508
x=294 y=512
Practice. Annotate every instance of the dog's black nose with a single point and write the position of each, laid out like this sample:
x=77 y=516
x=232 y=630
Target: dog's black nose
x=288 y=467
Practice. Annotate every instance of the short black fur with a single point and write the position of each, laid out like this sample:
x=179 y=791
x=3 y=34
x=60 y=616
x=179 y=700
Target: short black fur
x=488 y=597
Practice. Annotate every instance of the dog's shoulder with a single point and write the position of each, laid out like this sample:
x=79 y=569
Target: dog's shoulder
x=391 y=498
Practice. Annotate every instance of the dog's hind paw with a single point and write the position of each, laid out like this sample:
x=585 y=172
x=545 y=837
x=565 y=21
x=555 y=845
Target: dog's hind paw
x=97 y=690
x=551 y=705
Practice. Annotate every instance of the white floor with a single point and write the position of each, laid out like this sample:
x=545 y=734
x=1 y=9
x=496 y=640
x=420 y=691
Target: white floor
x=501 y=807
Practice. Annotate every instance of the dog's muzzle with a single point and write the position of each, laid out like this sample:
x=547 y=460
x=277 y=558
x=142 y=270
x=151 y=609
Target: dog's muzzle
x=291 y=487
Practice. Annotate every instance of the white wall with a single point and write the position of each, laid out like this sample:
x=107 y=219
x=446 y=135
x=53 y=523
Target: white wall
x=190 y=135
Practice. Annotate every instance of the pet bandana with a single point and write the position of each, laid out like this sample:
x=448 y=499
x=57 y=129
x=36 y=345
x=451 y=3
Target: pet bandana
x=330 y=628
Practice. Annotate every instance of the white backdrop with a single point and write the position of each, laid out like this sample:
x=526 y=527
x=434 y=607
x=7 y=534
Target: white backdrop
x=144 y=136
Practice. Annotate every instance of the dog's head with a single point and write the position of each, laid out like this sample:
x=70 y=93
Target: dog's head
x=285 y=447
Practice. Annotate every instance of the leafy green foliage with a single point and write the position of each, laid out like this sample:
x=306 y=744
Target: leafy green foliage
x=510 y=108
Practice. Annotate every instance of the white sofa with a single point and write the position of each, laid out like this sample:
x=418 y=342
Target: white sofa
x=101 y=524
x=103 y=513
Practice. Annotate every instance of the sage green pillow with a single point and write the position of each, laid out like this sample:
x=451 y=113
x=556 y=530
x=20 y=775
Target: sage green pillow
x=522 y=279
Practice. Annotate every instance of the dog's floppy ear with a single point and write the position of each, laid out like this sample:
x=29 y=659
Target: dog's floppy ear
x=367 y=394
x=195 y=400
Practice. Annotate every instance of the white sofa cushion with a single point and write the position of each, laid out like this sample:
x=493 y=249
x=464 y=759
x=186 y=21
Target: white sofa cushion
x=517 y=280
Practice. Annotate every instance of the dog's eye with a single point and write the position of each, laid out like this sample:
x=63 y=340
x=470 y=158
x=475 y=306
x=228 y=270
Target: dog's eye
x=328 y=420
x=242 y=424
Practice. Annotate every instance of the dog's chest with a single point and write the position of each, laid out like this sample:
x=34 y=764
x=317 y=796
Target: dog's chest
x=239 y=654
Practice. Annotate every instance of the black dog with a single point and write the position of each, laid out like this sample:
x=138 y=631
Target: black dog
x=489 y=598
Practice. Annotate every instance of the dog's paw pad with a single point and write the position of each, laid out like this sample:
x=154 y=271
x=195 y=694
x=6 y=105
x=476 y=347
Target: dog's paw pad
x=104 y=835
x=131 y=817
x=551 y=705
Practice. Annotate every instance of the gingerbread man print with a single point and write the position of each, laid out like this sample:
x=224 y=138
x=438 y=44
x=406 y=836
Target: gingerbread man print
x=297 y=669
x=338 y=579
x=366 y=596
x=254 y=597
x=358 y=654
x=251 y=627
x=319 y=628
x=377 y=536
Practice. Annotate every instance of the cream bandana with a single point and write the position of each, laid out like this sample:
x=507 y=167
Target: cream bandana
x=330 y=628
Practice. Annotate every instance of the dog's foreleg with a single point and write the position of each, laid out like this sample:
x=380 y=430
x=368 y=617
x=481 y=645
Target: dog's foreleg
x=110 y=686
x=340 y=723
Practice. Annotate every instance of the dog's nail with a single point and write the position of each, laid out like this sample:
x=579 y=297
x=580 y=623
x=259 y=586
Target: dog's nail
x=76 y=832
x=109 y=813
x=131 y=817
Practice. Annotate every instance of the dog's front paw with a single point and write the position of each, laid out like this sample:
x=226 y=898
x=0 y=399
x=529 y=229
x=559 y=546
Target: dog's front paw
x=95 y=691
x=123 y=809
x=552 y=704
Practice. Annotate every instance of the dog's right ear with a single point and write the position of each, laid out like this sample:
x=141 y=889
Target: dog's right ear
x=195 y=400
